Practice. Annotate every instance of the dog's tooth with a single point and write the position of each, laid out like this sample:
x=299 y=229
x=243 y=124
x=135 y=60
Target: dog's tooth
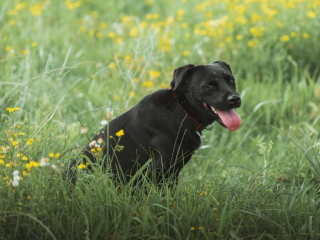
x=214 y=110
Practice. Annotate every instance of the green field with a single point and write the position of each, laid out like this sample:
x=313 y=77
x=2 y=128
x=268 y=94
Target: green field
x=66 y=65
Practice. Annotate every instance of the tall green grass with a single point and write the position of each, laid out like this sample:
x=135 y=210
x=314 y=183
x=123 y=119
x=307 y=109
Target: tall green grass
x=259 y=182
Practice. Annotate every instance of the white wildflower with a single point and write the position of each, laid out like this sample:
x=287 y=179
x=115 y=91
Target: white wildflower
x=104 y=122
x=15 y=183
x=16 y=178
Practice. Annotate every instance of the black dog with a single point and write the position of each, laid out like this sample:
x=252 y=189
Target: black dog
x=166 y=126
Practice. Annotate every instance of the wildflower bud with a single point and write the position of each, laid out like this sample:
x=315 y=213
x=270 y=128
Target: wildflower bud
x=54 y=167
x=109 y=113
x=100 y=141
x=83 y=130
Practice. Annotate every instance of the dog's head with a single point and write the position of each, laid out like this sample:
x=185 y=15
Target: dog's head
x=208 y=93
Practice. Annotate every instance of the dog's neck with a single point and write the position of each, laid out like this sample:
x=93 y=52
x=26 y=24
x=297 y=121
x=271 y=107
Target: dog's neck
x=197 y=125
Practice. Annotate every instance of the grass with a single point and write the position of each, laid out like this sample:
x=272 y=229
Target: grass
x=63 y=64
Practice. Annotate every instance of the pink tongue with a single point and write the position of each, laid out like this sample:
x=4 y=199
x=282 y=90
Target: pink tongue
x=230 y=119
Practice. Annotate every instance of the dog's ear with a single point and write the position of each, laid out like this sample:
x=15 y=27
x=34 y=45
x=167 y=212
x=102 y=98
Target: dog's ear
x=224 y=64
x=179 y=74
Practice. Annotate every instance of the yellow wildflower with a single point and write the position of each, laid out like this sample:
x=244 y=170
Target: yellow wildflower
x=1 y=162
x=184 y=25
x=164 y=85
x=8 y=49
x=134 y=32
x=11 y=110
x=180 y=12
x=112 y=35
x=102 y=25
x=32 y=164
x=293 y=34
x=118 y=40
x=71 y=5
x=99 y=34
x=185 y=53
x=239 y=37
x=51 y=155
x=24 y=158
x=57 y=155
x=148 y=84
x=20 y=6
x=285 y=38
x=192 y=228
x=143 y=25
x=154 y=74
x=229 y=39
x=305 y=35
x=311 y=14
x=132 y=94
x=252 y=43
x=36 y=9
x=82 y=166
x=120 y=133
x=30 y=141
x=290 y=5
x=112 y=65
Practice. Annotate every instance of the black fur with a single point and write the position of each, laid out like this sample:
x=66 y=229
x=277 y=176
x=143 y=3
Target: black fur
x=166 y=125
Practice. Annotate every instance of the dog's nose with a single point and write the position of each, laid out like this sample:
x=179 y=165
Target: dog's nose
x=233 y=99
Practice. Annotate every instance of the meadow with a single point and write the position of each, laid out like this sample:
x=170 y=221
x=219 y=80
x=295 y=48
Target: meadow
x=68 y=67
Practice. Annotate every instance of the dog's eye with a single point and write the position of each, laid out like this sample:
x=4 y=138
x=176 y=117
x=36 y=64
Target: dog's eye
x=209 y=86
x=232 y=81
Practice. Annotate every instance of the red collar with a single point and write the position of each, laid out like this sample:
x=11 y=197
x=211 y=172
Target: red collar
x=197 y=126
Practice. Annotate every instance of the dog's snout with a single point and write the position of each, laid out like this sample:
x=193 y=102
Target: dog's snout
x=233 y=99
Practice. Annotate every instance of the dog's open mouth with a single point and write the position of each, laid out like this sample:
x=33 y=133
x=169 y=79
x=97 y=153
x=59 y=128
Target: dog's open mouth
x=228 y=118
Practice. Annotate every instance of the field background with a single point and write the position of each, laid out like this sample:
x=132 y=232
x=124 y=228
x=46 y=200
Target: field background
x=65 y=64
